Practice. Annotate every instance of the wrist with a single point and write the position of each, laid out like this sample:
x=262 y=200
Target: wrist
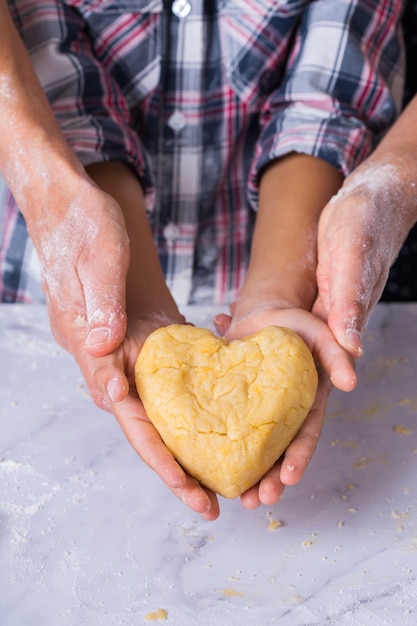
x=379 y=197
x=282 y=267
x=290 y=286
x=40 y=169
x=151 y=300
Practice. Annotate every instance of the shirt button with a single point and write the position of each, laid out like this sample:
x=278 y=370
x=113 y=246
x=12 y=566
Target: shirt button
x=177 y=121
x=181 y=8
x=171 y=232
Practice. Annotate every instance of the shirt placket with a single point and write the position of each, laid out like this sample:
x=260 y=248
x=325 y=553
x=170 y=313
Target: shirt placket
x=181 y=143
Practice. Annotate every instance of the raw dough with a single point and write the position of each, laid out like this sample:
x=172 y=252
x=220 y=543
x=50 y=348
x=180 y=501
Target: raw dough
x=153 y=616
x=226 y=411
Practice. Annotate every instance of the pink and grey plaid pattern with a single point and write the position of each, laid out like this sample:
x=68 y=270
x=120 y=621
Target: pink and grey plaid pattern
x=198 y=104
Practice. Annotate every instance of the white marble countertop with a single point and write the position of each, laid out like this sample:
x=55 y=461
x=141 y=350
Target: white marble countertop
x=89 y=535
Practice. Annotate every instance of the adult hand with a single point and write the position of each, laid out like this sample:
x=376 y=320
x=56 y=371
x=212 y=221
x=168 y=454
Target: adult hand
x=334 y=366
x=361 y=231
x=84 y=254
x=71 y=222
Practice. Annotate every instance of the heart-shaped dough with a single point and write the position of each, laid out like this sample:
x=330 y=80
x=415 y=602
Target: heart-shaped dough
x=226 y=411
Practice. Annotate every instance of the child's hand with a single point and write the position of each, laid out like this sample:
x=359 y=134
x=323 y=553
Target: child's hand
x=111 y=381
x=335 y=367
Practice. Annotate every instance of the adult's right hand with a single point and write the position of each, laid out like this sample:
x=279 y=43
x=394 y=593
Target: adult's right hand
x=71 y=222
x=83 y=249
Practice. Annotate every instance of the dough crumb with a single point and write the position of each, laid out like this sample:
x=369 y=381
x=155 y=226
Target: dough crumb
x=398 y=516
x=274 y=524
x=402 y=430
x=363 y=462
x=232 y=593
x=404 y=402
x=153 y=616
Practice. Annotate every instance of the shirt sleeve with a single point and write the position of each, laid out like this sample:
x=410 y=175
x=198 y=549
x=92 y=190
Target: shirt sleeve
x=68 y=51
x=342 y=88
x=97 y=123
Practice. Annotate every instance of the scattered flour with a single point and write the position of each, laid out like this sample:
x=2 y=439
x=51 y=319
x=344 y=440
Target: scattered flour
x=17 y=517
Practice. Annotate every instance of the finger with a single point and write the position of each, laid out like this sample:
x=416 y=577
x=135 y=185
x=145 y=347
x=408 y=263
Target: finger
x=109 y=384
x=353 y=294
x=348 y=309
x=250 y=498
x=349 y=296
x=341 y=369
x=198 y=499
x=268 y=491
x=110 y=390
x=349 y=313
x=147 y=442
x=291 y=468
x=105 y=306
x=271 y=486
x=222 y=323
x=301 y=449
x=336 y=362
x=106 y=325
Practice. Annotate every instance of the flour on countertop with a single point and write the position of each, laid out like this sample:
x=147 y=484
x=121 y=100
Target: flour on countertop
x=17 y=516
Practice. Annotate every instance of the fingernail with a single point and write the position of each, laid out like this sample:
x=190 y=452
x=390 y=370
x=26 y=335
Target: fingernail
x=175 y=480
x=113 y=389
x=219 y=323
x=353 y=340
x=187 y=501
x=97 y=336
x=220 y=327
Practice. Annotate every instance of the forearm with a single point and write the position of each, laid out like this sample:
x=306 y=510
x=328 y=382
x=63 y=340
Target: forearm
x=146 y=290
x=32 y=147
x=389 y=175
x=402 y=137
x=381 y=193
x=293 y=192
x=363 y=229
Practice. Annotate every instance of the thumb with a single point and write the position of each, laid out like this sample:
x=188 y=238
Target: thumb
x=105 y=310
x=222 y=323
x=348 y=305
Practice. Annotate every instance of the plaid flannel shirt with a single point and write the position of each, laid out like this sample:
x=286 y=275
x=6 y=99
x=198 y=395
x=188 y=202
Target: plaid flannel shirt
x=198 y=97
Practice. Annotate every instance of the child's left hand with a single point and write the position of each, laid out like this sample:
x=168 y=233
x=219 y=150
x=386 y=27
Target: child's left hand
x=335 y=367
